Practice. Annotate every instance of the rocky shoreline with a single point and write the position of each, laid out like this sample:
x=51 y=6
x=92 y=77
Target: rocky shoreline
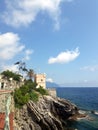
x=49 y=113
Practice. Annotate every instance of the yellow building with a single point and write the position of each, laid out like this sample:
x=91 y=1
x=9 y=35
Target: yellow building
x=40 y=79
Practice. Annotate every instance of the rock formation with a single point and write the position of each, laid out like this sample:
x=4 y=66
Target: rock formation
x=47 y=114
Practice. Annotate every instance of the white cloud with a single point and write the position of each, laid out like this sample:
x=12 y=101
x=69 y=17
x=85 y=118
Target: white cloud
x=24 y=12
x=90 y=68
x=49 y=80
x=13 y=68
x=27 y=54
x=64 y=57
x=9 y=45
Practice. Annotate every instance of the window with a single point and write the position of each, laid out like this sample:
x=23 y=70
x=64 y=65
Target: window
x=41 y=80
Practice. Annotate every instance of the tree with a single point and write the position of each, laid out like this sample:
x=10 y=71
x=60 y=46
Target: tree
x=25 y=93
x=9 y=74
x=21 y=66
x=30 y=74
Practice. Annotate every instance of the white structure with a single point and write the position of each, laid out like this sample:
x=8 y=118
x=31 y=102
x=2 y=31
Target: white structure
x=40 y=79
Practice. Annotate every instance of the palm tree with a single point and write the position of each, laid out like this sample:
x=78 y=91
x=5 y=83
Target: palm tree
x=30 y=74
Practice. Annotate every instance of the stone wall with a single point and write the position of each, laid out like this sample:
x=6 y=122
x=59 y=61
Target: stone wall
x=52 y=92
x=2 y=102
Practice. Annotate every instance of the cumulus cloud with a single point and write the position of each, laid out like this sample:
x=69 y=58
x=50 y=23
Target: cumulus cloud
x=27 y=54
x=65 y=57
x=90 y=68
x=24 y=12
x=9 y=45
x=49 y=80
x=13 y=68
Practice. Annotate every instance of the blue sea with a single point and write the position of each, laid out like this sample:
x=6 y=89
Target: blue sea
x=87 y=100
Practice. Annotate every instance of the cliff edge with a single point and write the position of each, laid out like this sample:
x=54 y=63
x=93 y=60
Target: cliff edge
x=49 y=113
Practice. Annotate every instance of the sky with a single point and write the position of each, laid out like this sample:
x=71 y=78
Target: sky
x=55 y=37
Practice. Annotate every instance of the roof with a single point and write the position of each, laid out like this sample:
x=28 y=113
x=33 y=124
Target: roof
x=2 y=121
x=11 y=116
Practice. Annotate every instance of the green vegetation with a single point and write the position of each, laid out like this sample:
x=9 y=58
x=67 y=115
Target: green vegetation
x=9 y=74
x=27 y=92
x=34 y=96
x=30 y=74
x=22 y=68
x=30 y=84
x=20 y=99
x=42 y=91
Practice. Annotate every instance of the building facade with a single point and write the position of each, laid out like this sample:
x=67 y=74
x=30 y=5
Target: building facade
x=40 y=79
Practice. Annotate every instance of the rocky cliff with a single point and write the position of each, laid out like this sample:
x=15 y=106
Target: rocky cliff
x=47 y=114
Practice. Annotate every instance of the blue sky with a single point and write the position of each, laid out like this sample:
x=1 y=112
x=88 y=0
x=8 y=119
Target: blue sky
x=56 y=37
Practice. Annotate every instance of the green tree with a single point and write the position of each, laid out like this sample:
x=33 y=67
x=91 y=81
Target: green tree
x=9 y=74
x=21 y=66
x=20 y=99
x=25 y=93
x=30 y=74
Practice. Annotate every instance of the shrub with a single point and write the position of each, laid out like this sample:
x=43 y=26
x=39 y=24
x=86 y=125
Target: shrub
x=30 y=84
x=24 y=89
x=42 y=91
x=25 y=93
x=34 y=96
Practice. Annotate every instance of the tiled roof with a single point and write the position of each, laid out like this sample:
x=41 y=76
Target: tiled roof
x=5 y=91
x=2 y=121
x=11 y=116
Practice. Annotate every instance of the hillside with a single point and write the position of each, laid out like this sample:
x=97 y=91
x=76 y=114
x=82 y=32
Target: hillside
x=47 y=114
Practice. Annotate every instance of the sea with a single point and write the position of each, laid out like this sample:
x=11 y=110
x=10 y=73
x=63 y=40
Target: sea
x=86 y=99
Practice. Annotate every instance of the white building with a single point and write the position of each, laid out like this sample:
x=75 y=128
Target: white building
x=40 y=79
